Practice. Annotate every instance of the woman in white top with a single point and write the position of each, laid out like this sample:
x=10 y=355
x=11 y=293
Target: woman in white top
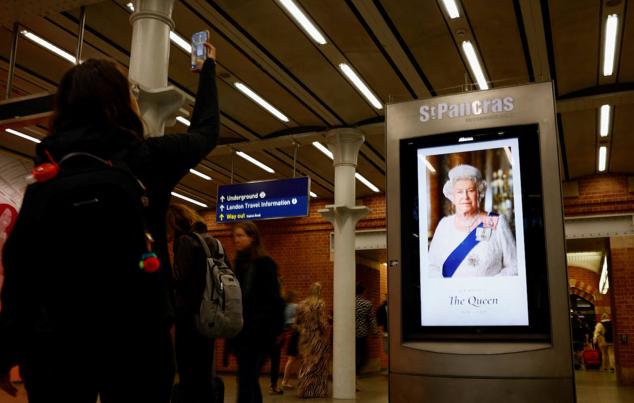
x=471 y=242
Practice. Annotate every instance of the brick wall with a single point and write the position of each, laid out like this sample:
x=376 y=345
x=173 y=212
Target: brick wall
x=622 y=282
x=301 y=248
x=600 y=194
x=609 y=194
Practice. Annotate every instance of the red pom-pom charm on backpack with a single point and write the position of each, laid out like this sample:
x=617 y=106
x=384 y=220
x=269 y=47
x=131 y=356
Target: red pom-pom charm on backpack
x=149 y=263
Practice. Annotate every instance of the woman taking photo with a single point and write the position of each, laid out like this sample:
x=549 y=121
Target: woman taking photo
x=68 y=309
x=262 y=309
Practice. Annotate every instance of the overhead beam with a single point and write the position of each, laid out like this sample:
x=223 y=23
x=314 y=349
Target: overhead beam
x=536 y=38
x=589 y=102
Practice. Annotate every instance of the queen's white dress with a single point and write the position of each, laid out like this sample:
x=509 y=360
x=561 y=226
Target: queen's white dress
x=494 y=255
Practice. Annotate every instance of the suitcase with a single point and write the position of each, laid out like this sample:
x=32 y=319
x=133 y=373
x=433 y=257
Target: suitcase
x=591 y=359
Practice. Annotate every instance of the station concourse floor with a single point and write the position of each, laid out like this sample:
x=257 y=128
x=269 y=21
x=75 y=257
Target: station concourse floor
x=592 y=387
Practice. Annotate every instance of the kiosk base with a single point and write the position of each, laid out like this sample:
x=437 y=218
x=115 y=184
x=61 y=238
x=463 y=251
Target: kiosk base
x=433 y=389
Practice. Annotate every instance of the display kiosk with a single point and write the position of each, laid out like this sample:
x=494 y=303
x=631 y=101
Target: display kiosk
x=478 y=295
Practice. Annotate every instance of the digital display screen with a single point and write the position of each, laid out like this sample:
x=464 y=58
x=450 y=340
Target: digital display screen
x=474 y=259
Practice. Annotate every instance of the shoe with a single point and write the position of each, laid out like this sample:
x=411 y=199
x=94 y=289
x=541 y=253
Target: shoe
x=287 y=386
x=275 y=391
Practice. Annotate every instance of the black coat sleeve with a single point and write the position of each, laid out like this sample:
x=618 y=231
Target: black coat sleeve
x=173 y=155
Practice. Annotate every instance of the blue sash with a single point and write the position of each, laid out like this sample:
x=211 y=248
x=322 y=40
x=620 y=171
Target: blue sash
x=460 y=253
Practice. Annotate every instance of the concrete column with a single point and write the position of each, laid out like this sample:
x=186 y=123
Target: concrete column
x=344 y=215
x=149 y=63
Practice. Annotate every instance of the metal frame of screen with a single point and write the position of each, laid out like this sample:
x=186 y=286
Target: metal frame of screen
x=538 y=328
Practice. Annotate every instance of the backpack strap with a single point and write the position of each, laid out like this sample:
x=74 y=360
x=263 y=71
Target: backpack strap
x=204 y=244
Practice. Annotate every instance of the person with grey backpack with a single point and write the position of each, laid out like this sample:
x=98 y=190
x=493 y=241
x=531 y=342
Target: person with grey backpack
x=208 y=305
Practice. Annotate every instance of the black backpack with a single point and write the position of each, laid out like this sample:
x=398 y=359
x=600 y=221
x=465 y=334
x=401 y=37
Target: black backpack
x=82 y=236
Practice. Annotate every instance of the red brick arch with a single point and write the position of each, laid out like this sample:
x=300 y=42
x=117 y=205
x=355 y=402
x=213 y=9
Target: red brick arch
x=584 y=283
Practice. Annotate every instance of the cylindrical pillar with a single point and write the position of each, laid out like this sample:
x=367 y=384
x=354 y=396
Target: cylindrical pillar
x=345 y=145
x=149 y=54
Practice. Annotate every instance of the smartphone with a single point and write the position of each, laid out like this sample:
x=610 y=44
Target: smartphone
x=199 y=52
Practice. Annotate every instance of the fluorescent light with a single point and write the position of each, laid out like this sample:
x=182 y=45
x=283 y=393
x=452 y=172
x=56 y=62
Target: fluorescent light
x=313 y=194
x=604 y=282
x=463 y=139
x=354 y=78
x=260 y=101
x=303 y=21
x=323 y=149
x=609 y=46
x=509 y=155
x=189 y=199
x=24 y=136
x=255 y=162
x=604 y=120
x=429 y=166
x=47 y=45
x=183 y=120
x=451 y=8
x=474 y=65
x=603 y=151
x=202 y=175
x=130 y=6
x=366 y=182
x=180 y=42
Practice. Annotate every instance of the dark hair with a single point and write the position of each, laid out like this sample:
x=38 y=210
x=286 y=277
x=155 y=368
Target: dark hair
x=200 y=227
x=256 y=249
x=360 y=288
x=182 y=219
x=95 y=93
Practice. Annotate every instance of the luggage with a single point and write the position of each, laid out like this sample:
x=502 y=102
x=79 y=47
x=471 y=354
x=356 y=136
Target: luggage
x=591 y=359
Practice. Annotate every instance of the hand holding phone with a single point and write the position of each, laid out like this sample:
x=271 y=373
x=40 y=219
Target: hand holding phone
x=201 y=49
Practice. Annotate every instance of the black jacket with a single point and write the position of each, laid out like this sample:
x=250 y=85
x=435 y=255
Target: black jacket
x=158 y=162
x=262 y=304
x=190 y=270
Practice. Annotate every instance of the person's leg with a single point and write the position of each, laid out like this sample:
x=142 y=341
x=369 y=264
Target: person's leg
x=290 y=360
x=604 y=357
x=361 y=353
x=276 y=351
x=194 y=355
x=611 y=356
x=250 y=360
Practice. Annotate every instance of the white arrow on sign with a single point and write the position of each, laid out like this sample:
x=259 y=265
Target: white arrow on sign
x=222 y=198
x=222 y=208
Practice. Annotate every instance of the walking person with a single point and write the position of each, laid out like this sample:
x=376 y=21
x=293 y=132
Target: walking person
x=92 y=299
x=292 y=347
x=263 y=309
x=314 y=345
x=194 y=352
x=604 y=338
x=365 y=321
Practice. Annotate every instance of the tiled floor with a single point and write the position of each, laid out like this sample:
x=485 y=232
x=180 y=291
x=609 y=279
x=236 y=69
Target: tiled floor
x=592 y=387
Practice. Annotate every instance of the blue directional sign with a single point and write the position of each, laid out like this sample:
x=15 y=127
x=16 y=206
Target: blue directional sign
x=263 y=200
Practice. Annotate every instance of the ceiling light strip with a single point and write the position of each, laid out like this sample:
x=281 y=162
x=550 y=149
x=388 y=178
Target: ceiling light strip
x=183 y=120
x=260 y=101
x=200 y=174
x=313 y=194
x=604 y=120
x=48 y=45
x=255 y=162
x=323 y=149
x=474 y=65
x=303 y=21
x=603 y=155
x=452 y=8
x=24 y=136
x=609 y=44
x=189 y=199
x=360 y=85
x=180 y=42
x=366 y=182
